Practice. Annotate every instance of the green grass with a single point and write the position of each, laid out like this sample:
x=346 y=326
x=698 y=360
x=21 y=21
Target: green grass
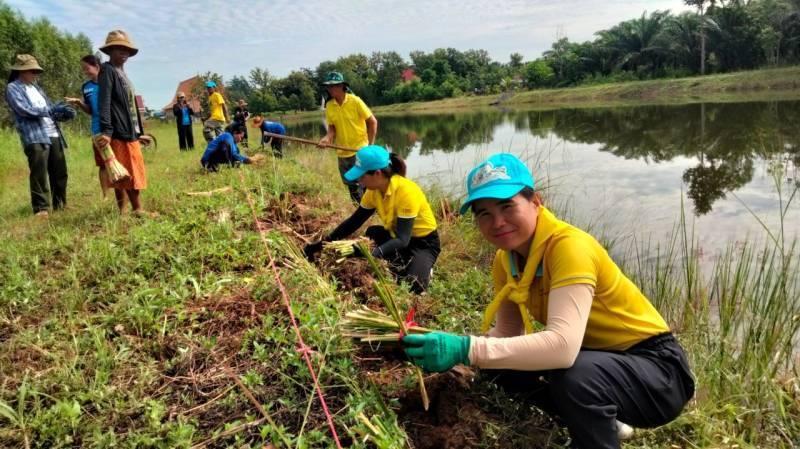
x=114 y=330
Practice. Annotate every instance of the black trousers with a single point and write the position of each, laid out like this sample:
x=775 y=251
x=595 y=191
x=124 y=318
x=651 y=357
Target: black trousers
x=277 y=147
x=645 y=386
x=48 y=167
x=185 y=137
x=243 y=143
x=413 y=263
x=346 y=163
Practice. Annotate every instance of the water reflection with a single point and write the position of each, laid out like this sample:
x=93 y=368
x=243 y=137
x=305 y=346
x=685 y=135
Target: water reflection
x=722 y=140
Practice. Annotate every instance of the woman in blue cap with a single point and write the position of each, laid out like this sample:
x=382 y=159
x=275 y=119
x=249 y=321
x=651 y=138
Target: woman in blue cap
x=602 y=353
x=408 y=237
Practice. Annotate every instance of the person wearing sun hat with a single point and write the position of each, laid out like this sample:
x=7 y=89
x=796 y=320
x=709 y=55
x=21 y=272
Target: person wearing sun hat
x=120 y=121
x=351 y=124
x=183 y=120
x=408 y=238
x=36 y=120
x=600 y=354
x=218 y=113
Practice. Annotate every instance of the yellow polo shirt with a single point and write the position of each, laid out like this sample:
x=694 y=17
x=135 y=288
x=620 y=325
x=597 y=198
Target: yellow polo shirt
x=349 y=119
x=621 y=315
x=403 y=199
x=215 y=102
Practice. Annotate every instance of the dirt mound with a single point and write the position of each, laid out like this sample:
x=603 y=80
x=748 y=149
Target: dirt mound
x=294 y=215
x=454 y=419
x=197 y=363
x=352 y=275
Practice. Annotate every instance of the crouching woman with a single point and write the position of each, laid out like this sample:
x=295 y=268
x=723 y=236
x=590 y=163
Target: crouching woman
x=408 y=238
x=604 y=356
x=224 y=151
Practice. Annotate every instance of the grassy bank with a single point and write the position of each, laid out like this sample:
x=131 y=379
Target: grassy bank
x=756 y=85
x=128 y=332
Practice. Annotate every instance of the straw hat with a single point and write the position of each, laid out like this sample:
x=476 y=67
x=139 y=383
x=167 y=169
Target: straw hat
x=257 y=121
x=26 y=62
x=181 y=95
x=118 y=38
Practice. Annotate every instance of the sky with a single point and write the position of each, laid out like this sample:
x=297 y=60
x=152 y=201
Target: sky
x=180 y=38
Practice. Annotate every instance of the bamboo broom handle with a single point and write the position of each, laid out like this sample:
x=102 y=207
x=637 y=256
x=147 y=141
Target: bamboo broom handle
x=306 y=141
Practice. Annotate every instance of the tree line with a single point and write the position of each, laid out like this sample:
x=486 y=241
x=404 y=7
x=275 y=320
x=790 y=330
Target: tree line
x=717 y=36
x=57 y=52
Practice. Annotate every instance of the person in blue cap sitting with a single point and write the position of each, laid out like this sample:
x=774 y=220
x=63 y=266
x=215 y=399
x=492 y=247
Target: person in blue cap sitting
x=408 y=238
x=223 y=150
x=600 y=351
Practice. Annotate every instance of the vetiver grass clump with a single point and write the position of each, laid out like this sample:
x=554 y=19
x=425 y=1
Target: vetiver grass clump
x=129 y=332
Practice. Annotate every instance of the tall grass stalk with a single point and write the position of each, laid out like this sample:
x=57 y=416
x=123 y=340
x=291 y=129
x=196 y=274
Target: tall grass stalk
x=385 y=293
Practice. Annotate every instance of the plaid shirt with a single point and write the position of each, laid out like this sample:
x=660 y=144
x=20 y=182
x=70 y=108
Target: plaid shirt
x=28 y=117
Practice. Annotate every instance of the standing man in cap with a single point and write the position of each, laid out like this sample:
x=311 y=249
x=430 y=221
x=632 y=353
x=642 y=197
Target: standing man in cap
x=120 y=122
x=218 y=116
x=183 y=119
x=36 y=120
x=350 y=124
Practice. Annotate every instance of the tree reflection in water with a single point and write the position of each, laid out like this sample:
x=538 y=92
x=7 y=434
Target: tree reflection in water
x=725 y=138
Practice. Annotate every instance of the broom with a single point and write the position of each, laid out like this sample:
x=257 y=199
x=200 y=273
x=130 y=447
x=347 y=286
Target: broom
x=116 y=171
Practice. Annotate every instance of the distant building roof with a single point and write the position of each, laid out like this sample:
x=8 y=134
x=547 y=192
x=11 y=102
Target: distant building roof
x=189 y=87
x=408 y=74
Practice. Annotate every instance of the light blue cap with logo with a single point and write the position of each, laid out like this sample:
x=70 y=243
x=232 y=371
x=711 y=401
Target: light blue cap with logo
x=211 y=84
x=501 y=176
x=368 y=158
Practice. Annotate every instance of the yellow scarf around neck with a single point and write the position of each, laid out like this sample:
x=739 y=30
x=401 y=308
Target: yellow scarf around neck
x=518 y=291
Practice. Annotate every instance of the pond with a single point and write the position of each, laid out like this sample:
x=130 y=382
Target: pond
x=627 y=170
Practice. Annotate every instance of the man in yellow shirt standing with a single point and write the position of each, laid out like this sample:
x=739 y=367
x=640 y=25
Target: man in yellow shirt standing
x=215 y=124
x=350 y=124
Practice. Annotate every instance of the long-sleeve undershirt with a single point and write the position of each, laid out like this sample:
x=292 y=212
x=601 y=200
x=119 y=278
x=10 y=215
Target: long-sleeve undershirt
x=388 y=249
x=555 y=347
x=351 y=224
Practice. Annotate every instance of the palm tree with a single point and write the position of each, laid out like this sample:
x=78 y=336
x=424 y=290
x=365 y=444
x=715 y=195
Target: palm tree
x=683 y=36
x=636 y=44
x=701 y=10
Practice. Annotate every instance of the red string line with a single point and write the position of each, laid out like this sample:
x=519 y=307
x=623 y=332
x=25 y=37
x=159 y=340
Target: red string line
x=302 y=347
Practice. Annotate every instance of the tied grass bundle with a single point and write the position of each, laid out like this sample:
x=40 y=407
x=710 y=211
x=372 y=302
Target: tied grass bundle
x=116 y=171
x=387 y=298
x=369 y=326
x=345 y=248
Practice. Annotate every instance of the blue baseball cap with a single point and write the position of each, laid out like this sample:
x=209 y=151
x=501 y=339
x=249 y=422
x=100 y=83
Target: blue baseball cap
x=501 y=176
x=211 y=84
x=370 y=157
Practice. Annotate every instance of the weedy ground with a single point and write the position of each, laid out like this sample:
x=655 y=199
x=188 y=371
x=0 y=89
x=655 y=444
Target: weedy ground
x=121 y=331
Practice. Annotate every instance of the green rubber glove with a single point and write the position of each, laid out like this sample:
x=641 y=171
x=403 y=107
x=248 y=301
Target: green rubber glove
x=437 y=351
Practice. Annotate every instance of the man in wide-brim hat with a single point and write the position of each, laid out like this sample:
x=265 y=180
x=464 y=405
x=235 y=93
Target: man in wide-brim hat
x=351 y=124
x=36 y=121
x=120 y=120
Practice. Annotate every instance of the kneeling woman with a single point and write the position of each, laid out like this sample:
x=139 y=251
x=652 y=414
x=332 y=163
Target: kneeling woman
x=408 y=237
x=604 y=354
